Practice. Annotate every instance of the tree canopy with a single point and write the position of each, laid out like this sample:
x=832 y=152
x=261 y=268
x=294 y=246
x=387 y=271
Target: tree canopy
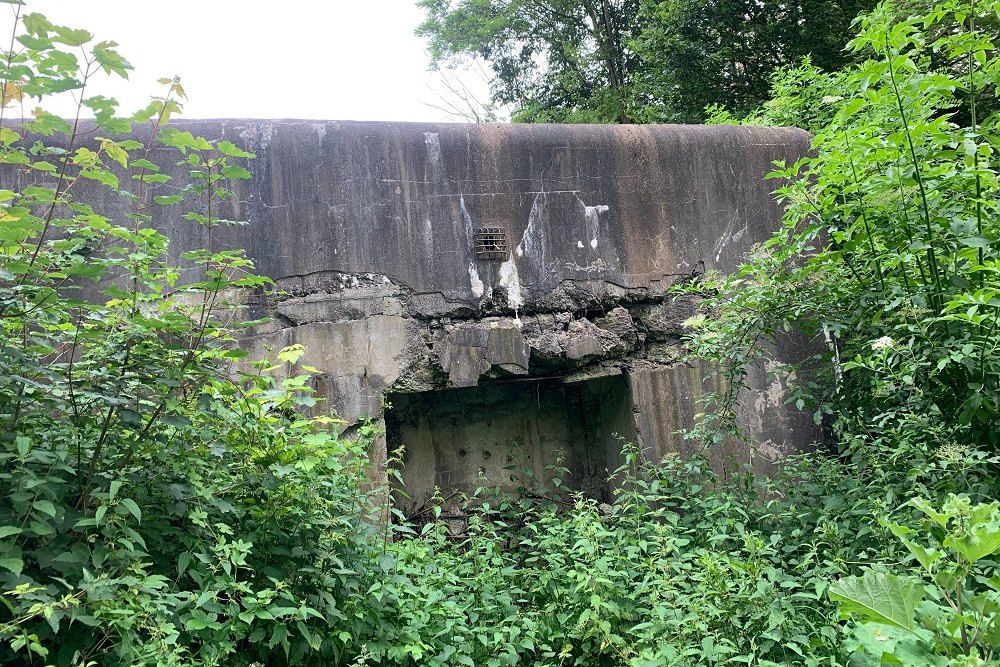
x=553 y=60
x=635 y=60
x=702 y=52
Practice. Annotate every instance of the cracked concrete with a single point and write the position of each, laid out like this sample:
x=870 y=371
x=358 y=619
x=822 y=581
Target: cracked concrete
x=367 y=230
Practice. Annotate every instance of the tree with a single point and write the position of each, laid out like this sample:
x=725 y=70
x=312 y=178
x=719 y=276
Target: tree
x=635 y=60
x=888 y=253
x=554 y=60
x=703 y=52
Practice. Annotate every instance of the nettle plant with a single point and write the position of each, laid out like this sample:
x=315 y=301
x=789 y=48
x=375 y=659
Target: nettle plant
x=950 y=615
x=156 y=506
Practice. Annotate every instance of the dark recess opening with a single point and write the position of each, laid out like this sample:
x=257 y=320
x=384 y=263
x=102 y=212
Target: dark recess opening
x=454 y=437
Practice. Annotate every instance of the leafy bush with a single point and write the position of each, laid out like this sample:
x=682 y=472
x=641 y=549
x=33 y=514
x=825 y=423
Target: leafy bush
x=959 y=622
x=156 y=505
x=888 y=257
x=684 y=568
x=888 y=248
x=802 y=96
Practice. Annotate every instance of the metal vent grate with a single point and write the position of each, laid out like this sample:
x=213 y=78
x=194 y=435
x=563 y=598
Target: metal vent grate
x=491 y=243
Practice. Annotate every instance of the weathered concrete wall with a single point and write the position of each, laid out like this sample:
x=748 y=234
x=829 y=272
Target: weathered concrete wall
x=369 y=230
x=513 y=435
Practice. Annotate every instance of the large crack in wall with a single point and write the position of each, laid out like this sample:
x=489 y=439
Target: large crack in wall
x=476 y=396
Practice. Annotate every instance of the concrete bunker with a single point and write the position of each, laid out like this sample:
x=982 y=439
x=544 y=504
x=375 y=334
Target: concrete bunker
x=514 y=434
x=522 y=270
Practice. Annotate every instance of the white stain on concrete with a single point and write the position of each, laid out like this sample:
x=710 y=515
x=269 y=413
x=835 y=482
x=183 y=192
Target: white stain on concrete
x=466 y=218
x=474 y=281
x=258 y=136
x=533 y=239
x=731 y=235
x=511 y=281
x=433 y=143
x=320 y=132
x=593 y=216
x=579 y=244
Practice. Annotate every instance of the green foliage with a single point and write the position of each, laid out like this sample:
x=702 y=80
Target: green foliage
x=802 y=96
x=556 y=61
x=684 y=568
x=959 y=622
x=888 y=252
x=888 y=258
x=698 y=53
x=635 y=60
x=156 y=505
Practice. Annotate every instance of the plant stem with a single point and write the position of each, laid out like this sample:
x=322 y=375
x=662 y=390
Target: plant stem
x=925 y=206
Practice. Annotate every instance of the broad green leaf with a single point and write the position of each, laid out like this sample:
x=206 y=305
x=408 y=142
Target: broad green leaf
x=7 y=531
x=8 y=136
x=36 y=24
x=926 y=556
x=977 y=543
x=45 y=507
x=195 y=624
x=924 y=506
x=235 y=172
x=114 y=151
x=16 y=233
x=182 y=563
x=143 y=163
x=110 y=60
x=101 y=176
x=291 y=354
x=132 y=507
x=14 y=157
x=232 y=150
x=71 y=37
x=41 y=528
x=183 y=140
x=879 y=597
x=85 y=270
x=15 y=565
x=976 y=242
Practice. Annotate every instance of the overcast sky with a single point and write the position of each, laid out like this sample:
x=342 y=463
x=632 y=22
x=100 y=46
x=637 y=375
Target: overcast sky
x=314 y=59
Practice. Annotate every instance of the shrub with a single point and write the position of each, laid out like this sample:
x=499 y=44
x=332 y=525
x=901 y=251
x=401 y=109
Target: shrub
x=157 y=506
x=888 y=250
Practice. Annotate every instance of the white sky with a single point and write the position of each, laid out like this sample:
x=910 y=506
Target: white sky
x=313 y=59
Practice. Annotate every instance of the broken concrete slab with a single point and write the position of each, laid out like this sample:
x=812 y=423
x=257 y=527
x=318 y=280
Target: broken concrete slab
x=473 y=349
x=358 y=360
